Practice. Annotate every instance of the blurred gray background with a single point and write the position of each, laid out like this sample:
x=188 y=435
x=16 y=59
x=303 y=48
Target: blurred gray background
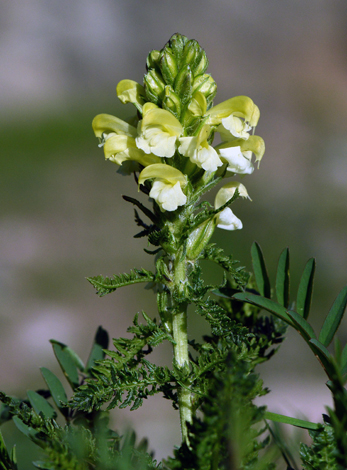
x=62 y=216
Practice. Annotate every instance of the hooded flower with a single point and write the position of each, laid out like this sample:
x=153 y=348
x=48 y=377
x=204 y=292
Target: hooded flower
x=226 y=219
x=199 y=151
x=120 y=148
x=129 y=91
x=240 y=106
x=118 y=139
x=238 y=154
x=167 y=186
x=104 y=124
x=158 y=132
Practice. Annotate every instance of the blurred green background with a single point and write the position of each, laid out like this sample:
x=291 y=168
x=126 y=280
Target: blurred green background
x=62 y=216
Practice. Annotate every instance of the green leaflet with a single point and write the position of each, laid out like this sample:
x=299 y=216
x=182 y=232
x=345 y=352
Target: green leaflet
x=25 y=429
x=106 y=285
x=100 y=343
x=56 y=389
x=41 y=405
x=324 y=356
x=282 y=279
x=260 y=273
x=267 y=304
x=304 y=328
x=333 y=318
x=67 y=362
x=300 y=423
x=304 y=295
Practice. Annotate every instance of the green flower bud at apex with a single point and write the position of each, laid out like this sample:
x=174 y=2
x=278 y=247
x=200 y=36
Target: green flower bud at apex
x=152 y=61
x=206 y=85
x=183 y=84
x=154 y=86
x=202 y=65
x=168 y=66
x=172 y=102
x=192 y=55
x=177 y=43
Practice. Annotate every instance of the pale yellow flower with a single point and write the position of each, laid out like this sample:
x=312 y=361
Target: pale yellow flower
x=240 y=106
x=158 y=132
x=129 y=91
x=226 y=219
x=167 y=186
x=238 y=154
x=119 y=148
x=199 y=151
x=104 y=124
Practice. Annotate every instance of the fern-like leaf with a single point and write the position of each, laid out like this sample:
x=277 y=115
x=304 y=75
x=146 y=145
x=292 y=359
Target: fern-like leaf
x=106 y=285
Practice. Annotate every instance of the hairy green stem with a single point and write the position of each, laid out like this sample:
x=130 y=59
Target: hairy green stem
x=180 y=335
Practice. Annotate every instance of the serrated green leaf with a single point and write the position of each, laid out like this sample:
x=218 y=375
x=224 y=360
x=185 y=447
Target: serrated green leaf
x=66 y=362
x=144 y=209
x=282 y=279
x=41 y=405
x=106 y=285
x=333 y=318
x=56 y=388
x=100 y=343
x=300 y=423
x=304 y=295
x=304 y=328
x=260 y=273
x=323 y=355
x=5 y=462
x=267 y=304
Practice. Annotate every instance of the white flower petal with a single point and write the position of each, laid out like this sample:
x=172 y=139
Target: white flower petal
x=227 y=220
x=236 y=127
x=203 y=155
x=168 y=196
x=237 y=161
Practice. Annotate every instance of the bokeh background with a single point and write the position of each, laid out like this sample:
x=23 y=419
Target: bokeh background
x=62 y=216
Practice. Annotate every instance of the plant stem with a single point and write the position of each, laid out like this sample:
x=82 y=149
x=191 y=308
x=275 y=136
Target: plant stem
x=180 y=335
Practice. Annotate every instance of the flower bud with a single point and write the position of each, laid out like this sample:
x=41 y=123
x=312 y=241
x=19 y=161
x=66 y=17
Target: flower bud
x=152 y=61
x=168 y=66
x=195 y=56
x=199 y=238
x=202 y=64
x=206 y=85
x=177 y=43
x=172 y=102
x=154 y=86
x=183 y=84
x=129 y=91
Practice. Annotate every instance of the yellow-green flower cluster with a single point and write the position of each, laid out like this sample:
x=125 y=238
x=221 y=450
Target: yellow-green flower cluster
x=171 y=146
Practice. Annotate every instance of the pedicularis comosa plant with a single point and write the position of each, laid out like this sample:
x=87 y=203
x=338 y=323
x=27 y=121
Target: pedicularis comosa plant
x=211 y=382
